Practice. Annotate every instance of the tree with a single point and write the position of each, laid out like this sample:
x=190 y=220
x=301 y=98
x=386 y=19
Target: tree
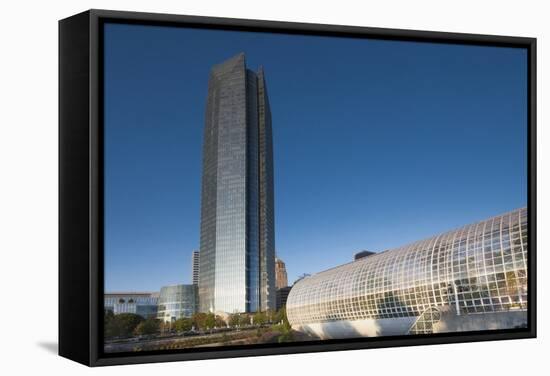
x=260 y=318
x=210 y=321
x=108 y=316
x=149 y=326
x=199 y=320
x=220 y=322
x=122 y=325
x=270 y=315
x=280 y=317
x=233 y=320
x=284 y=326
x=244 y=319
x=183 y=325
x=165 y=326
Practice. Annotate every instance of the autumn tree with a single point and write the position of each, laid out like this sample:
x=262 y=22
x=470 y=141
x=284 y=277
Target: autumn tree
x=199 y=320
x=184 y=324
x=260 y=318
x=149 y=326
x=122 y=325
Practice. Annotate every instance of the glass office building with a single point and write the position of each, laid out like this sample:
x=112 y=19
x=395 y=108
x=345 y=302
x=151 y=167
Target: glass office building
x=473 y=278
x=237 y=242
x=176 y=302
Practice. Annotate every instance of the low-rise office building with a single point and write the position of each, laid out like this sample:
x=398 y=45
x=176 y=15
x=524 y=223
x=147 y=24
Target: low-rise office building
x=176 y=302
x=139 y=303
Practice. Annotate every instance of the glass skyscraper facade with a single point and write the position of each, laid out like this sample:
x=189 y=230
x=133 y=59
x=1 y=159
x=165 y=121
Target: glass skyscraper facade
x=195 y=265
x=237 y=242
x=473 y=278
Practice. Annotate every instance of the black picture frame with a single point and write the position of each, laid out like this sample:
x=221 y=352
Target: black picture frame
x=81 y=182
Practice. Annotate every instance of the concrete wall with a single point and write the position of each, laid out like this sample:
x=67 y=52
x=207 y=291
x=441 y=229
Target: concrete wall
x=358 y=328
x=483 y=321
x=450 y=322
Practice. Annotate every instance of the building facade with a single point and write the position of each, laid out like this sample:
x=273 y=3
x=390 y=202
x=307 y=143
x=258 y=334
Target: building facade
x=176 y=302
x=282 y=296
x=473 y=278
x=139 y=303
x=281 y=279
x=195 y=267
x=237 y=241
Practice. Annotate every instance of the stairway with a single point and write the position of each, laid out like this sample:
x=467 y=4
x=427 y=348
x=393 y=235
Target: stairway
x=425 y=322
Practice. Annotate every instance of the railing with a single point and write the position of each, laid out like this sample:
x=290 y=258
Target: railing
x=424 y=324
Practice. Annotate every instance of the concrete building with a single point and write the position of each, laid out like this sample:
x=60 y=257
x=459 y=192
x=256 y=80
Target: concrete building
x=281 y=279
x=237 y=241
x=139 y=303
x=472 y=278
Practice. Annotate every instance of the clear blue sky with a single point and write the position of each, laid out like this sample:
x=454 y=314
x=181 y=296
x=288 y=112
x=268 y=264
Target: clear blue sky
x=376 y=143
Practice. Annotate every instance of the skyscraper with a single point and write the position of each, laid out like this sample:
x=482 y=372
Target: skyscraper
x=195 y=263
x=282 y=296
x=281 y=279
x=237 y=243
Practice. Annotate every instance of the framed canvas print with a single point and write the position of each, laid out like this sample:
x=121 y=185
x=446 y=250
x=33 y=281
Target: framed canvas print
x=237 y=187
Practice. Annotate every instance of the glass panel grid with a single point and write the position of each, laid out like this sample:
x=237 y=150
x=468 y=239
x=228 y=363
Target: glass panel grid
x=476 y=269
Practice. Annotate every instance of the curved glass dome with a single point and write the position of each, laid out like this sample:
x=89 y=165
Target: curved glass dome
x=176 y=302
x=479 y=268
